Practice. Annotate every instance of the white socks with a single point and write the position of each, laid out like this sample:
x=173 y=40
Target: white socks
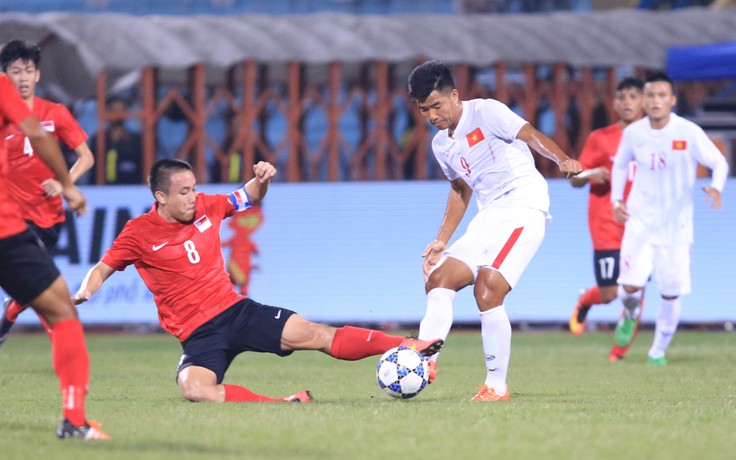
x=665 y=327
x=496 y=334
x=631 y=301
x=437 y=319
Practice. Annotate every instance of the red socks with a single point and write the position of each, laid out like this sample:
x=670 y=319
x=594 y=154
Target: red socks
x=15 y=309
x=353 y=343
x=71 y=364
x=591 y=297
x=234 y=393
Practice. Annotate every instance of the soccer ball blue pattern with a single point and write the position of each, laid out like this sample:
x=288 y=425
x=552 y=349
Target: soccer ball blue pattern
x=402 y=372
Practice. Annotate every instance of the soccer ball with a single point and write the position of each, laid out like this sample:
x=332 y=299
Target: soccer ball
x=402 y=372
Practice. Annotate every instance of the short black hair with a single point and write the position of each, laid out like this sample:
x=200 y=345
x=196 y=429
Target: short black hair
x=19 y=49
x=660 y=76
x=428 y=77
x=159 y=180
x=630 y=82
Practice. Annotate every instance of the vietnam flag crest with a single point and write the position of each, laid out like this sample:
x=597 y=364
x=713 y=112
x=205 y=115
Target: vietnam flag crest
x=679 y=145
x=474 y=137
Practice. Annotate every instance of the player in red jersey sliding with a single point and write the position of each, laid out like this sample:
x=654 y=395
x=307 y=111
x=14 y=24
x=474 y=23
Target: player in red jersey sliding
x=32 y=183
x=176 y=249
x=28 y=272
x=606 y=233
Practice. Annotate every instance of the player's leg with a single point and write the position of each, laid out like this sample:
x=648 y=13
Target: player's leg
x=199 y=384
x=490 y=291
x=10 y=313
x=627 y=327
x=29 y=275
x=505 y=259
x=449 y=276
x=636 y=264
x=665 y=327
x=605 y=267
x=11 y=309
x=348 y=342
x=209 y=351
x=617 y=352
x=452 y=273
x=71 y=361
x=673 y=278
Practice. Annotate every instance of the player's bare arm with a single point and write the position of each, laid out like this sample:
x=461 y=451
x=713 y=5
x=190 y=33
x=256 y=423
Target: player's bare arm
x=257 y=187
x=549 y=149
x=714 y=197
x=599 y=175
x=457 y=204
x=92 y=282
x=85 y=161
x=45 y=145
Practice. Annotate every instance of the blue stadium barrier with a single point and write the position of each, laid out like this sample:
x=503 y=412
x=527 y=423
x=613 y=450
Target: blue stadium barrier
x=350 y=252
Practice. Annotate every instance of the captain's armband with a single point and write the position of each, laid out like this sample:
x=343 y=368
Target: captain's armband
x=240 y=199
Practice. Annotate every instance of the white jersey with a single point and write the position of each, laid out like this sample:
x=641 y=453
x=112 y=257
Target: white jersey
x=660 y=203
x=485 y=153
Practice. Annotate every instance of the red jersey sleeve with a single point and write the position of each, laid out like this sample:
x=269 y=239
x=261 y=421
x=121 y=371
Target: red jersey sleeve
x=12 y=107
x=227 y=205
x=125 y=250
x=67 y=127
x=589 y=157
x=12 y=111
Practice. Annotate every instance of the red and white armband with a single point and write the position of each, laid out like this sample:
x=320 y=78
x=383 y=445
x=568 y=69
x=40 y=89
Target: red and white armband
x=240 y=199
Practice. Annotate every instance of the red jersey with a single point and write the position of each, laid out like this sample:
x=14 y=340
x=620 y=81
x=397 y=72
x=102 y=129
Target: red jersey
x=599 y=150
x=12 y=111
x=181 y=264
x=29 y=171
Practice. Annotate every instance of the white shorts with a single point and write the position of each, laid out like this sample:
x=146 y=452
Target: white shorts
x=669 y=263
x=503 y=239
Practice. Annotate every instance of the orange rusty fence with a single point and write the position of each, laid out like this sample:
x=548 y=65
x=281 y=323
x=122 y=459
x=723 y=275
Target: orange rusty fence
x=391 y=140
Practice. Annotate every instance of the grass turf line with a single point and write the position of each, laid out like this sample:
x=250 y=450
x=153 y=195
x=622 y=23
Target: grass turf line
x=567 y=402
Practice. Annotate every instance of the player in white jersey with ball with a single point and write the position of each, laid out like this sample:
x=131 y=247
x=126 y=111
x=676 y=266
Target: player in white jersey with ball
x=659 y=210
x=483 y=148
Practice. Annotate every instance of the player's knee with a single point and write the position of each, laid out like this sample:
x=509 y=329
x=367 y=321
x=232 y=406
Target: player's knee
x=198 y=385
x=631 y=289
x=444 y=279
x=432 y=282
x=196 y=392
x=608 y=295
x=488 y=298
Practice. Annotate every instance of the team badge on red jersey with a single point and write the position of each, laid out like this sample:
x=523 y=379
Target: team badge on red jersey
x=474 y=137
x=679 y=145
x=203 y=223
x=49 y=126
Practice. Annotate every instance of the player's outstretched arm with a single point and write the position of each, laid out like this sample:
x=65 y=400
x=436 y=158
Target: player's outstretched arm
x=549 y=149
x=92 y=282
x=257 y=187
x=599 y=175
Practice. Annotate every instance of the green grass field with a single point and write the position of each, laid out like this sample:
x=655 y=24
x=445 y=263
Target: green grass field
x=567 y=402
